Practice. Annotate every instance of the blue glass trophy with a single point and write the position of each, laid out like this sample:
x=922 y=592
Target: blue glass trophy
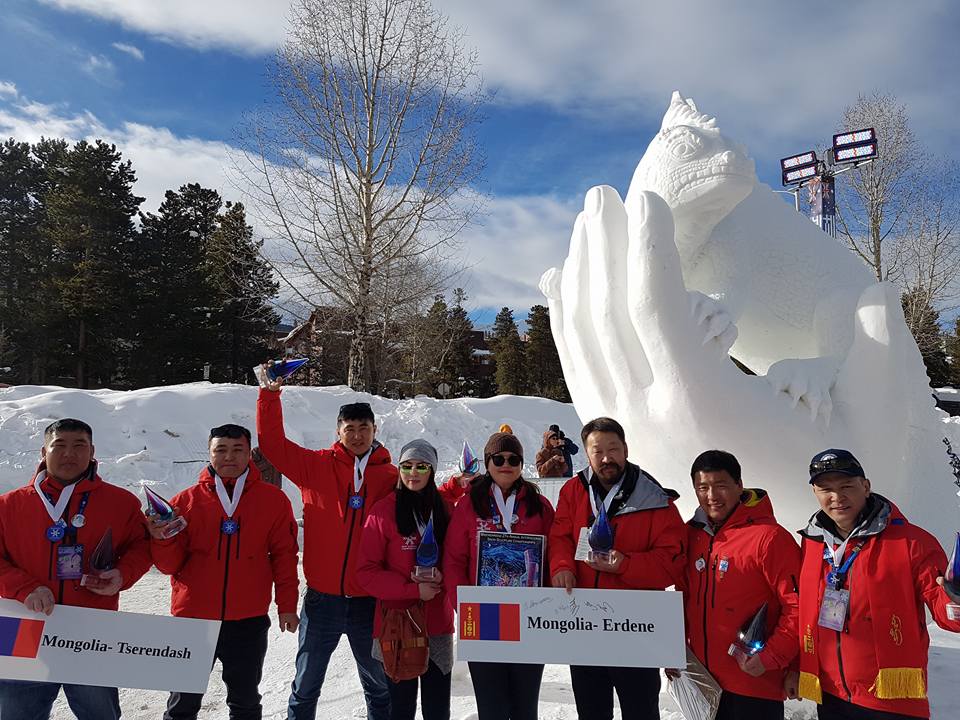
x=161 y=509
x=468 y=463
x=101 y=560
x=951 y=581
x=278 y=369
x=600 y=537
x=428 y=555
x=752 y=637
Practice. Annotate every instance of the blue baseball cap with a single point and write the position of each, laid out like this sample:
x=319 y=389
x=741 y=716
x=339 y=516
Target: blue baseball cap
x=835 y=460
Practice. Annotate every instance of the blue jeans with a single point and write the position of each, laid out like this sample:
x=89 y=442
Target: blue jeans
x=323 y=620
x=23 y=700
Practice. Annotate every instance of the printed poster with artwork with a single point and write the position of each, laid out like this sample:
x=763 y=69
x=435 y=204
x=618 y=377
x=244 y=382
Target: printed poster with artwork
x=510 y=559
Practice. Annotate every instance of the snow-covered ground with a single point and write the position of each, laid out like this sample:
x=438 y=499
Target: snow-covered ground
x=159 y=435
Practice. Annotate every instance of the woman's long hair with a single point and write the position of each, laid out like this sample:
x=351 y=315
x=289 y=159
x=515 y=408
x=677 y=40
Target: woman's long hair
x=426 y=503
x=480 y=495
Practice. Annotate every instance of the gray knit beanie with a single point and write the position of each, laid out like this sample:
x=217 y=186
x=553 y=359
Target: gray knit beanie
x=419 y=450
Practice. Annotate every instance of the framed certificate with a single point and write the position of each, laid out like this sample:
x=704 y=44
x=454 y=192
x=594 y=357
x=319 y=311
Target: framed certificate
x=510 y=559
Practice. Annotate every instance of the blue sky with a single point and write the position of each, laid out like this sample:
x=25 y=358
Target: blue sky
x=580 y=89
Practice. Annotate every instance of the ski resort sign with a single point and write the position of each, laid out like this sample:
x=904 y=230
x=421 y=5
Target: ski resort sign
x=112 y=649
x=624 y=628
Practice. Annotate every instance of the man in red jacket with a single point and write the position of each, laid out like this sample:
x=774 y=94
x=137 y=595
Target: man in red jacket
x=866 y=574
x=212 y=579
x=739 y=560
x=339 y=486
x=647 y=555
x=48 y=530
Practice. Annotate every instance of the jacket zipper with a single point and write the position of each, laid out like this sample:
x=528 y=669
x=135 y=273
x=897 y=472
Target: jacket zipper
x=843 y=678
x=346 y=554
x=226 y=575
x=706 y=588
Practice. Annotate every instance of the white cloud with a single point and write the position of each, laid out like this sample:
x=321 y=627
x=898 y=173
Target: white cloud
x=7 y=89
x=245 y=26
x=100 y=68
x=162 y=160
x=518 y=238
x=131 y=50
x=778 y=74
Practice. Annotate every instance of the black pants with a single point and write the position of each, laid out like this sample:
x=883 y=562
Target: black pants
x=637 y=688
x=434 y=696
x=241 y=648
x=743 y=707
x=833 y=708
x=506 y=691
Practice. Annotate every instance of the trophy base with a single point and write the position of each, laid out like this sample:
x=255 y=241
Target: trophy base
x=953 y=611
x=175 y=527
x=92 y=580
x=425 y=574
x=599 y=556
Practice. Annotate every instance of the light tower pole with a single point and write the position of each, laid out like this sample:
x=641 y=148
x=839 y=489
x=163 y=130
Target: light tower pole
x=849 y=150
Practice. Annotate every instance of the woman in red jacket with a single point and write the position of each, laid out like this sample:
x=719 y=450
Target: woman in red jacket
x=500 y=500
x=385 y=565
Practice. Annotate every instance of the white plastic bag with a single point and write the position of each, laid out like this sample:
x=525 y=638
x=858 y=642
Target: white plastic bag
x=695 y=691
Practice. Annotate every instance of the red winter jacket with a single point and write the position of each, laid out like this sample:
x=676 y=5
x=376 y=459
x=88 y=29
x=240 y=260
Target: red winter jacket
x=331 y=528
x=460 y=546
x=749 y=561
x=28 y=560
x=383 y=568
x=230 y=577
x=648 y=530
x=451 y=491
x=893 y=576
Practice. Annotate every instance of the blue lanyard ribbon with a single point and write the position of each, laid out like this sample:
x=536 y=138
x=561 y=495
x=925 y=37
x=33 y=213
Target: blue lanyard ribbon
x=836 y=576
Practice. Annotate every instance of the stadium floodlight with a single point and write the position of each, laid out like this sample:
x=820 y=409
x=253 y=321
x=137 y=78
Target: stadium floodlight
x=797 y=168
x=855 y=146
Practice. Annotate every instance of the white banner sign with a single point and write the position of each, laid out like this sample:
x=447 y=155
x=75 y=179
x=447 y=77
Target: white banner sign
x=101 y=647
x=621 y=628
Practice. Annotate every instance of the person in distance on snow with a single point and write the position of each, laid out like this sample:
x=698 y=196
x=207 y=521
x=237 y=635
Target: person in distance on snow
x=339 y=485
x=554 y=458
x=647 y=555
x=866 y=573
x=500 y=500
x=231 y=506
x=739 y=559
x=48 y=530
x=388 y=551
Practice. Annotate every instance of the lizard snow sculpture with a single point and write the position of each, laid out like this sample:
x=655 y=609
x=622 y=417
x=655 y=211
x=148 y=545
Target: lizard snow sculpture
x=635 y=344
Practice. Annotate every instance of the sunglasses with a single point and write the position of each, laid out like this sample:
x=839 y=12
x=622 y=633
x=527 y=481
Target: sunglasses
x=421 y=468
x=512 y=460
x=835 y=465
x=234 y=432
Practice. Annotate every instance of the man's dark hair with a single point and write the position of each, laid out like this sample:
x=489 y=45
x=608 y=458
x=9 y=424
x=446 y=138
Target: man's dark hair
x=715 y=461
x=67 y=425
x=231 y=431
x=355 y=411
x=603 y=424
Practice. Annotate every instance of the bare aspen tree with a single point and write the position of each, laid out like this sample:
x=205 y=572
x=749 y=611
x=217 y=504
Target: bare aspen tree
x=364 y=165
x=874 y=200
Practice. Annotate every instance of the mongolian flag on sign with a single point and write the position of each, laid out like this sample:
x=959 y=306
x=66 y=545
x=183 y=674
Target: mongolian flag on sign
x=20 y=637
x=490 y=621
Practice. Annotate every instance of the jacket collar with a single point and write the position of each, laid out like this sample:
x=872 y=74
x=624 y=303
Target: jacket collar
x=755 y=506
x=253 y=476
x=88 y=481
x=874 y=519
x=639 y=491
x=379 y=455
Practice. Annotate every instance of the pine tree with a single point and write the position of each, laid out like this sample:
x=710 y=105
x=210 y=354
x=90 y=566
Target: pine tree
x=508 y=353
x=953 y=353
x=176 y=326
x=924 y=322
x=242 y=285
x=89 y=225
x=544 y=374
x=459 y=359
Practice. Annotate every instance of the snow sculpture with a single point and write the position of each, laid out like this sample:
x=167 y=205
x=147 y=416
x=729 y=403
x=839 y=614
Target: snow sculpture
x=767 y=287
